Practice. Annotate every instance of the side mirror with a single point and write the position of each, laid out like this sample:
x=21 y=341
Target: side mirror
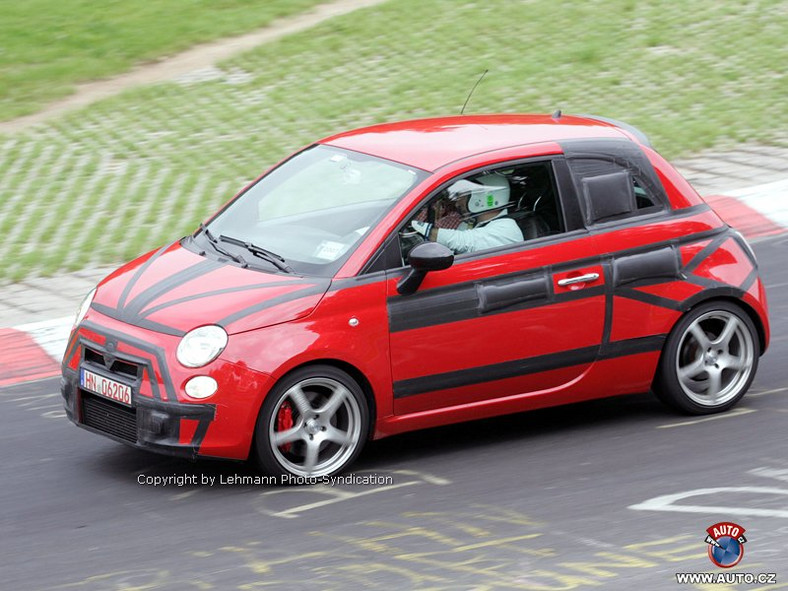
x=427 y=256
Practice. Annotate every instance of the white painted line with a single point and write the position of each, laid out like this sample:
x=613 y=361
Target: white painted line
x=730 y=414
x=184 y=495
x=336 y=495
x=428 y=478
x=776 y=473
x=765 y=392
x=665 y=502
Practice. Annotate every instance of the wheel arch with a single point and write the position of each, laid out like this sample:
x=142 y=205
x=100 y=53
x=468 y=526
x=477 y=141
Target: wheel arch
x=664 y=384
x=736 y=301
x=354 y=373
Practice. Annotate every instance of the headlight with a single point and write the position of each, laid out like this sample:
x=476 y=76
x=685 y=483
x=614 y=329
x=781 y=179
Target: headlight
x=201 y=345
x=84 y=307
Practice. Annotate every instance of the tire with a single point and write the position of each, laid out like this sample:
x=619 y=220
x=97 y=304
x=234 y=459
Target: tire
x=312 y=424
x=709 y=359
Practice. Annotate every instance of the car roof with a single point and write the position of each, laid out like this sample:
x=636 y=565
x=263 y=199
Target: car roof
x=430 y=144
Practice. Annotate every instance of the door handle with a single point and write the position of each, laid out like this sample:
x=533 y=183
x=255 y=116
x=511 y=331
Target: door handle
x=581 y=279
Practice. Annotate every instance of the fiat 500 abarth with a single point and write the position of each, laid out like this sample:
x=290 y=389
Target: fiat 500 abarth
x=415 y=274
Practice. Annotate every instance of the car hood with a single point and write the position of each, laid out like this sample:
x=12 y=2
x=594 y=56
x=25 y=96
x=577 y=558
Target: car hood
x=173 y=290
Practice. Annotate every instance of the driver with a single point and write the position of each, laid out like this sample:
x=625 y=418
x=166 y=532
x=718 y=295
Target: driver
x=484 y=202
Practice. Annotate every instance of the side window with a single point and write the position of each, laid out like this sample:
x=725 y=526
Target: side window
x=610 y=191
x=490 y=209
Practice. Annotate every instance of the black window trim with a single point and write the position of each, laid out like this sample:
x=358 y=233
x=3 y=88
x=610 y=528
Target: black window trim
x=630 y=157
x=563 y=186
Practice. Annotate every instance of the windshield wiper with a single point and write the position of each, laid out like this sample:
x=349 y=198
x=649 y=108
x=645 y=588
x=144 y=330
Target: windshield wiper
x=215 y=243
x=258 y=251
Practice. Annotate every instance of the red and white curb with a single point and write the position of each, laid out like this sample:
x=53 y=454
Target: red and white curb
x=771 y=199
x=755 y=211
x=34 y=351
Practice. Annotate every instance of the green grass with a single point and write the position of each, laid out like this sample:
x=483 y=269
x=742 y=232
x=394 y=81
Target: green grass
x=48 y=46
x=154 y=161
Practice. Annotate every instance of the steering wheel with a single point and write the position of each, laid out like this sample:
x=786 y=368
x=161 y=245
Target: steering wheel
x=408 y=239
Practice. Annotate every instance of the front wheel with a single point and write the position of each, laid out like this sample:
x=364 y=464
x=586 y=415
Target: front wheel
x=313 y=423
x=709 y=360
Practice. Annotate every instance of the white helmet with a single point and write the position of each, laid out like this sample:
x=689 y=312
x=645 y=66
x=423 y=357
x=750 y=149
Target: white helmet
x=490 y=191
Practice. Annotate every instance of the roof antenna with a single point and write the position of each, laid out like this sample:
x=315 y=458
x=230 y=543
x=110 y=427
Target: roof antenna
x=556 y=114
x=462 y=111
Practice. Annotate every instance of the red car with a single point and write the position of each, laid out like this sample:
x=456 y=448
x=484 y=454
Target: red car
x=416 y=274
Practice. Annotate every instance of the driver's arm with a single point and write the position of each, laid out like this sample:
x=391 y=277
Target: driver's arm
x=497 y=233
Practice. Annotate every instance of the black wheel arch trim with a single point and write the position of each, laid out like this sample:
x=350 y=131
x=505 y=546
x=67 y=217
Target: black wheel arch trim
x=732 y=295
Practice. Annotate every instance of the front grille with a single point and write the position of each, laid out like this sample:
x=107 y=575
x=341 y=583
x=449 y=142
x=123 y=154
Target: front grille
x=117 y=366
x=109 y=417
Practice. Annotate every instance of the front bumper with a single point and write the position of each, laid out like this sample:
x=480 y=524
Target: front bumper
x=160 y=417
x=167 y=427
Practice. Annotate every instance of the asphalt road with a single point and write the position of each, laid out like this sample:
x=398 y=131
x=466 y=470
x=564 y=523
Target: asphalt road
x=566 y=498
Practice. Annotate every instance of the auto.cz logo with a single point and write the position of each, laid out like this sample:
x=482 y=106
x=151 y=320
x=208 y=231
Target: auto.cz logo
x=726 y=578
x=726 y=549
x=726 y=544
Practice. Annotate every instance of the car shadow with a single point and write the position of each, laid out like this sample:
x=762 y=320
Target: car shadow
x=531 y=426
x=126 y=464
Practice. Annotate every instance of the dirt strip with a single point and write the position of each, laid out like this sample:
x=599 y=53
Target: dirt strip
x=197 y=58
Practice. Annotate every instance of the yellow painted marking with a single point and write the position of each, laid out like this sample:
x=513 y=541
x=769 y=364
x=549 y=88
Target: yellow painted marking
x=506 y=516
x=597 y=568
x=568 y=581
x=411 y=531
x=159 y=578
x=728 y=415
x=258 y=566
x=362 y=543
x=670 y=549
x=499 y=542
x=442 y=518
x=666 y=541
x=469 y=566
x=442 y=558
x=539 y=552
x=495 y=542
x=375 y=567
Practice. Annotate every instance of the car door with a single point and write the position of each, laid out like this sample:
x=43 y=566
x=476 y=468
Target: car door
x=522 y=319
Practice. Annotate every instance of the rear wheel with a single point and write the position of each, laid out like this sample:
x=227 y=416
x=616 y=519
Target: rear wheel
x=709 y=360
x=312 y=424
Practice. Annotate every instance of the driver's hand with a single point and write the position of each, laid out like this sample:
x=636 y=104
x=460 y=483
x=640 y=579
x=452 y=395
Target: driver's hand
x=439 y=209
x=422 y=228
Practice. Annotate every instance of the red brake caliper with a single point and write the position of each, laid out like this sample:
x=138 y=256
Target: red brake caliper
x=284 y=421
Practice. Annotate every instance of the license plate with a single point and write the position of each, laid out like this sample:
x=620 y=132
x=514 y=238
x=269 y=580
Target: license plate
x=105 y=387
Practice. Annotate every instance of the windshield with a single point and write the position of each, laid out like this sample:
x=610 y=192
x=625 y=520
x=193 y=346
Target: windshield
x=315 y=207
